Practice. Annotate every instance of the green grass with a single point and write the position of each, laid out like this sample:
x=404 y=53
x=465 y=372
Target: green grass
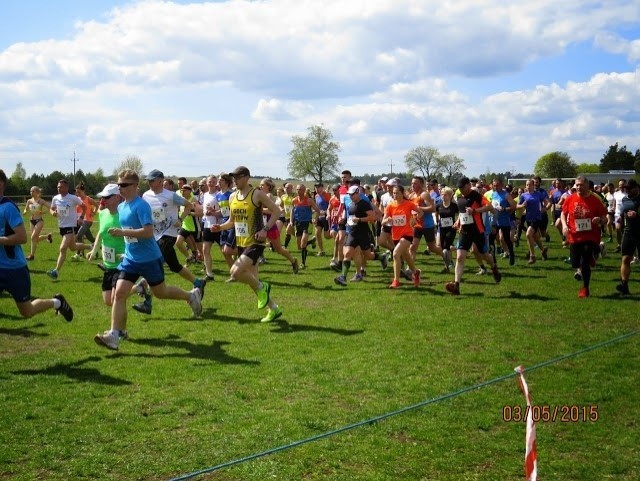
x=183 y=395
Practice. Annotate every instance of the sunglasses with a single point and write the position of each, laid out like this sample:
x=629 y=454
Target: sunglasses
x=125 y=184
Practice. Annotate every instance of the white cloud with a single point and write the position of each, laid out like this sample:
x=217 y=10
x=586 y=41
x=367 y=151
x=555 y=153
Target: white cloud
x=275 y=109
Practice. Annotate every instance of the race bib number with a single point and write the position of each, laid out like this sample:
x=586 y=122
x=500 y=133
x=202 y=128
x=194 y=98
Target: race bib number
x=34 y=207
x=466 y=219
x=352 y=220
x=242 y=229
x=225 y=211
x=446 y=221
x=583 y=225
x=398 y=221
x=496 y=204
x=109 y=254
x=63 y=211
x=158 y=215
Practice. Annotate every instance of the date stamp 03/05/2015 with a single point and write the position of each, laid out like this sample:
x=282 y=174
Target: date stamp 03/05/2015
x=563 y=413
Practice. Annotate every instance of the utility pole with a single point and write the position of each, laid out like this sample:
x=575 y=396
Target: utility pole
x=391 y=165
x=74 y=160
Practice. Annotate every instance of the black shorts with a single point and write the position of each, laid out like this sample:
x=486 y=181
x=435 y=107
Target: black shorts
x=447 y=237
x=428 y=232
x=68 y=230
x=408 y=238
x=301 y=228
x=187 y=233
x=35 y=222
x=583 y=251
x=109 y=279
x=212 y=237
x=361 y=239
x=253 y=252
x=386 y=229
x=536 y=225
x=323 y=223
x=16 y=282
x=167 y=248
x=630 y=244
x=467 y=239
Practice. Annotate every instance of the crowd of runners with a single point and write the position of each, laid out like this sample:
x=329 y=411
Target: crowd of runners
x=146 y=222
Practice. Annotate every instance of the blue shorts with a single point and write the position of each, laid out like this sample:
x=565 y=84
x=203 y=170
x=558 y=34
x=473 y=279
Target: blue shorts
x=16 y=282
x=152 y=271
x=228 y=238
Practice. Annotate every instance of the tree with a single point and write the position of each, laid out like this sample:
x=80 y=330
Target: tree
x=619 y=159
x=131 y=162
x=315 y=155
x=555 y=164
x=424 y=159
x=586 y=168
x=451 y=167
x=20 y=173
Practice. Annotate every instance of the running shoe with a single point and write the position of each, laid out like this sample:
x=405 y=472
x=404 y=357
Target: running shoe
x=52 y=273
x=340 y=280
x=108 y=339
x=334 y=265
x=623 y=289
x=320 y=254
x=496 y=274
x=29 y=257
x=384 y=261
x=272 y=315
x=144 y=307
x=200 y=284
x=584 y=292
x=416 y=277
x=357 y=278
x=532 y=260
x=545 y=253
x=482 y=271
x=263 y=295
x=577 y=275
x=261 y=260
x=295 y=266
x=49 y=238
x=453 y=288
x=312 y=242
x=209 y=278
x=64 y=309
x=445 y=270
x=195 y=302
x=394 y=284
x=407 y=274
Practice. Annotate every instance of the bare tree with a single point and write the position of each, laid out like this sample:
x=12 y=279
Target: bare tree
x=452 y=167
x=425 y=160
x=131 y=162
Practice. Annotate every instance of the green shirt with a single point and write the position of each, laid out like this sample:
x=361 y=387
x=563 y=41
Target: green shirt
x=112 y=247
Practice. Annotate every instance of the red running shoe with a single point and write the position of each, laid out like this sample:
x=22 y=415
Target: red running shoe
x=453 y=288
x=416 y=277
x=584 y=292
x=395 y=284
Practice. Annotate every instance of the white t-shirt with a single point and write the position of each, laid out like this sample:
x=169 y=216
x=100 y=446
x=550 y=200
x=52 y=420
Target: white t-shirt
x=66 y=208
x=619 y=196
x=164 y=210
x=209 y=202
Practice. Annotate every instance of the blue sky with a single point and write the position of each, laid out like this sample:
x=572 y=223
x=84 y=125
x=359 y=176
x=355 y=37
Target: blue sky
x=201 y=87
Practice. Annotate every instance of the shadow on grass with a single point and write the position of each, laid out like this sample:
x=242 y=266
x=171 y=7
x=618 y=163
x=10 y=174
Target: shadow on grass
x=298 y=284
x=616 y=296
x=213 y=352
x=283 y=327
x=22 y=331
x=530 y=296
x=74 y=371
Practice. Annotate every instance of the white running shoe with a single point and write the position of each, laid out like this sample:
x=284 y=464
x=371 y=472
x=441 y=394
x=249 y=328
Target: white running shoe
x=108 y=339
x=196 y=302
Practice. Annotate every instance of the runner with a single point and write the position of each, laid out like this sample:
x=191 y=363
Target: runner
x=251 y=234
x=472 y=204
x=401 y=214
x=142 y=257
x=301 y=218
x=14 y=273
x=583 y=214
x=322 y=199
x=534 y=201
x=631 y=233
x=447 y=213
x=36 y=206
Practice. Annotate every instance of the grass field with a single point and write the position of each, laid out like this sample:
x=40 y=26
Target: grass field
x=184 y=395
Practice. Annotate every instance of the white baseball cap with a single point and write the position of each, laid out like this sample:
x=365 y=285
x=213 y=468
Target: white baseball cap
x=109 y=190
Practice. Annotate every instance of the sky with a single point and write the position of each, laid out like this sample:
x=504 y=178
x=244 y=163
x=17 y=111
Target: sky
x=193 y=88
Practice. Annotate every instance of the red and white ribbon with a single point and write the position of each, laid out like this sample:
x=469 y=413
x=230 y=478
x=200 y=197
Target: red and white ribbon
x=530 y=456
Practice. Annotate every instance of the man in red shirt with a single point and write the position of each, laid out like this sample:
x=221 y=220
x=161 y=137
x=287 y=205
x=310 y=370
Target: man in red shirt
x=583 y=214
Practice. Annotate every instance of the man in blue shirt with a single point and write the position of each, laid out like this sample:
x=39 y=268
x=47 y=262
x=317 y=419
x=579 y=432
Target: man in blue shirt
x=14 y=274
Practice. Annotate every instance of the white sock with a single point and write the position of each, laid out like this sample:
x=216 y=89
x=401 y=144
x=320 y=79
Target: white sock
x=56 y=303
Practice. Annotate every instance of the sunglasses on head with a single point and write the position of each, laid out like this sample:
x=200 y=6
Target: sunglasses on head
x=125 y=184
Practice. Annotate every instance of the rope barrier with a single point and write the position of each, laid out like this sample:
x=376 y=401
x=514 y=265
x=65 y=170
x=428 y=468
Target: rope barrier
x=405 y=409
